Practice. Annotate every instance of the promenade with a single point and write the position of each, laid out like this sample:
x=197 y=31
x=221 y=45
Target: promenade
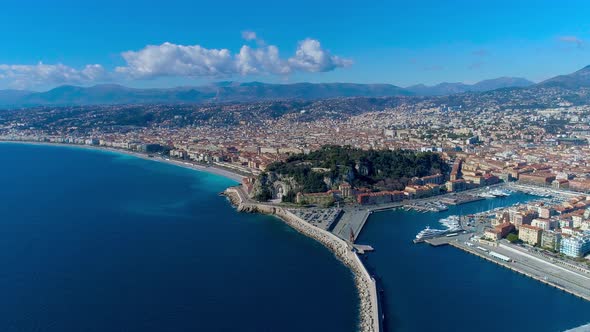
x=212 y=169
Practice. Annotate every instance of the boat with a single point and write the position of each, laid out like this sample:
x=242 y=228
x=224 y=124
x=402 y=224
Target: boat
x=452 y=223
x=428 y=233
x=486 y=195
x=500 y=193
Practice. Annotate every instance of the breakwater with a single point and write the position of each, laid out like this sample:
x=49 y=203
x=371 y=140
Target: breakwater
x=365 y=284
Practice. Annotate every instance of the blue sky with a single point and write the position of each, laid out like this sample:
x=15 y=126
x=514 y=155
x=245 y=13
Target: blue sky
x=49 y=43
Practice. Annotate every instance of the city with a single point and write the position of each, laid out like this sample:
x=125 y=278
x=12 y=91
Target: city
x=295 y=166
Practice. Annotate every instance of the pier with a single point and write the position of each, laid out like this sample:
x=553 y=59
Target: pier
x=351 y=223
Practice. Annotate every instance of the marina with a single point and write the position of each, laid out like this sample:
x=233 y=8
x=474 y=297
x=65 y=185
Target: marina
x=428 y=271
x=550 y=270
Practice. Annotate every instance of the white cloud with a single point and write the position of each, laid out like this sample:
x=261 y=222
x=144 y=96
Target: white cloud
x=177 y=60
x=249 y=35
x=173 y=60
x=24 y=76
x=261 y=61
x=196 y=61
x=311 y=57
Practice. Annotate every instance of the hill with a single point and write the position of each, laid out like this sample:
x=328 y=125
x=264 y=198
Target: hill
x=220 y=92
x=454 y=88
x=575 y=80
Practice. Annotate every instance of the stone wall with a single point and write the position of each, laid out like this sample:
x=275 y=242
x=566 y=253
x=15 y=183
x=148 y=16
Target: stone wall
x=366 y=286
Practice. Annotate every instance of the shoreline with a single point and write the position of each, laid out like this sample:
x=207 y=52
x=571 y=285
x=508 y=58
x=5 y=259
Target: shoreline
x=366 y=285
x=202 y=168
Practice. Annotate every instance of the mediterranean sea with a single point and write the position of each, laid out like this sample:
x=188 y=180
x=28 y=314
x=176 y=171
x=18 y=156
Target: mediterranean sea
x=100 y=241
x=429 y=288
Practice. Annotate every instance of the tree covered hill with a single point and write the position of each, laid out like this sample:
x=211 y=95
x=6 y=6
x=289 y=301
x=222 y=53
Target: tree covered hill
x=378 y=169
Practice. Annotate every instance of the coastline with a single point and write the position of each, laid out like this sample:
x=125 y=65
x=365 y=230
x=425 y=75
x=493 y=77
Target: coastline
x=202 y=168
x=366 y=286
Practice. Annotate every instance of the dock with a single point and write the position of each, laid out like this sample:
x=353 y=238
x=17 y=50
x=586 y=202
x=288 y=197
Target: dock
x=351 y=223
x=362 y=248
x=525 y=263
x=439 y=241
x=461 y=199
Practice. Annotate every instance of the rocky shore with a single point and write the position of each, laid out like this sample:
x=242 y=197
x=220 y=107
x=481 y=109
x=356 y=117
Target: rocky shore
x=365 y=284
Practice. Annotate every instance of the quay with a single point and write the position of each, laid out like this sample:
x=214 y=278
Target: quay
x=530 y=265
x=460 y=199
x=439 y=241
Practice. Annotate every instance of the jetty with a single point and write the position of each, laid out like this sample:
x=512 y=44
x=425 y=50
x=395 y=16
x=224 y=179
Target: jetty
x=369 y=320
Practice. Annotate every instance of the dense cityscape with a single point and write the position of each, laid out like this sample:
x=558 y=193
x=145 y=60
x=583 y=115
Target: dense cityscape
x=317 y=166
x=536 y=137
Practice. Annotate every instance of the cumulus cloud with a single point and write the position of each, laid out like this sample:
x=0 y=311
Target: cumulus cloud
x=260 y=61
x=174 y=60
x=24 y=76
x=196 y=61
x=311 y=57
x=177 y=60
x=571 y=40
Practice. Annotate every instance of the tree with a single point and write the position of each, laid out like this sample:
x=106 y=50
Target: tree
x=512 y=237
x=263 y=195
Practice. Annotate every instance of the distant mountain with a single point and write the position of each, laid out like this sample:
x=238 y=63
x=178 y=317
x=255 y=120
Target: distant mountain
x=11 y=97
x=229 y=91
x=575 y=80
x=453 y=88
x=218 y=92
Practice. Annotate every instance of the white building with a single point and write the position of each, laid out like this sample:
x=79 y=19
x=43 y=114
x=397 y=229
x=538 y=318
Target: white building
x=575 y=246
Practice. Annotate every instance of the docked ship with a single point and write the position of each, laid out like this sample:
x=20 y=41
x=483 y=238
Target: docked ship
x=500 y=193
x=486 y=195
x=494 y=193
x=451 y=223
x=428 y=233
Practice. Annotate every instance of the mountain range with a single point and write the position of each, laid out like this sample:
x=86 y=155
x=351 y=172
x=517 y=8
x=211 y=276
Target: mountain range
x=453 y=88
x=254 y=91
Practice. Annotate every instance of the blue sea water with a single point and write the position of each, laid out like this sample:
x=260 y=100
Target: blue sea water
x=445 y=289
x=97 y=241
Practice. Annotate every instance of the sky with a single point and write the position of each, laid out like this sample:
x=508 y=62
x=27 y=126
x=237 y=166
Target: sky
x=177 y=43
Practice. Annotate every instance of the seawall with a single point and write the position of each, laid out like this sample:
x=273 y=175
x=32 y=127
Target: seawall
x=366 y=286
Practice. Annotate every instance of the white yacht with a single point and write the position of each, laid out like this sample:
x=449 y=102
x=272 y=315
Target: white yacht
x=486 y=195
x=428 y=233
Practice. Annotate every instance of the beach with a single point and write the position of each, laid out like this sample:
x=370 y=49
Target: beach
x=202 y=168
